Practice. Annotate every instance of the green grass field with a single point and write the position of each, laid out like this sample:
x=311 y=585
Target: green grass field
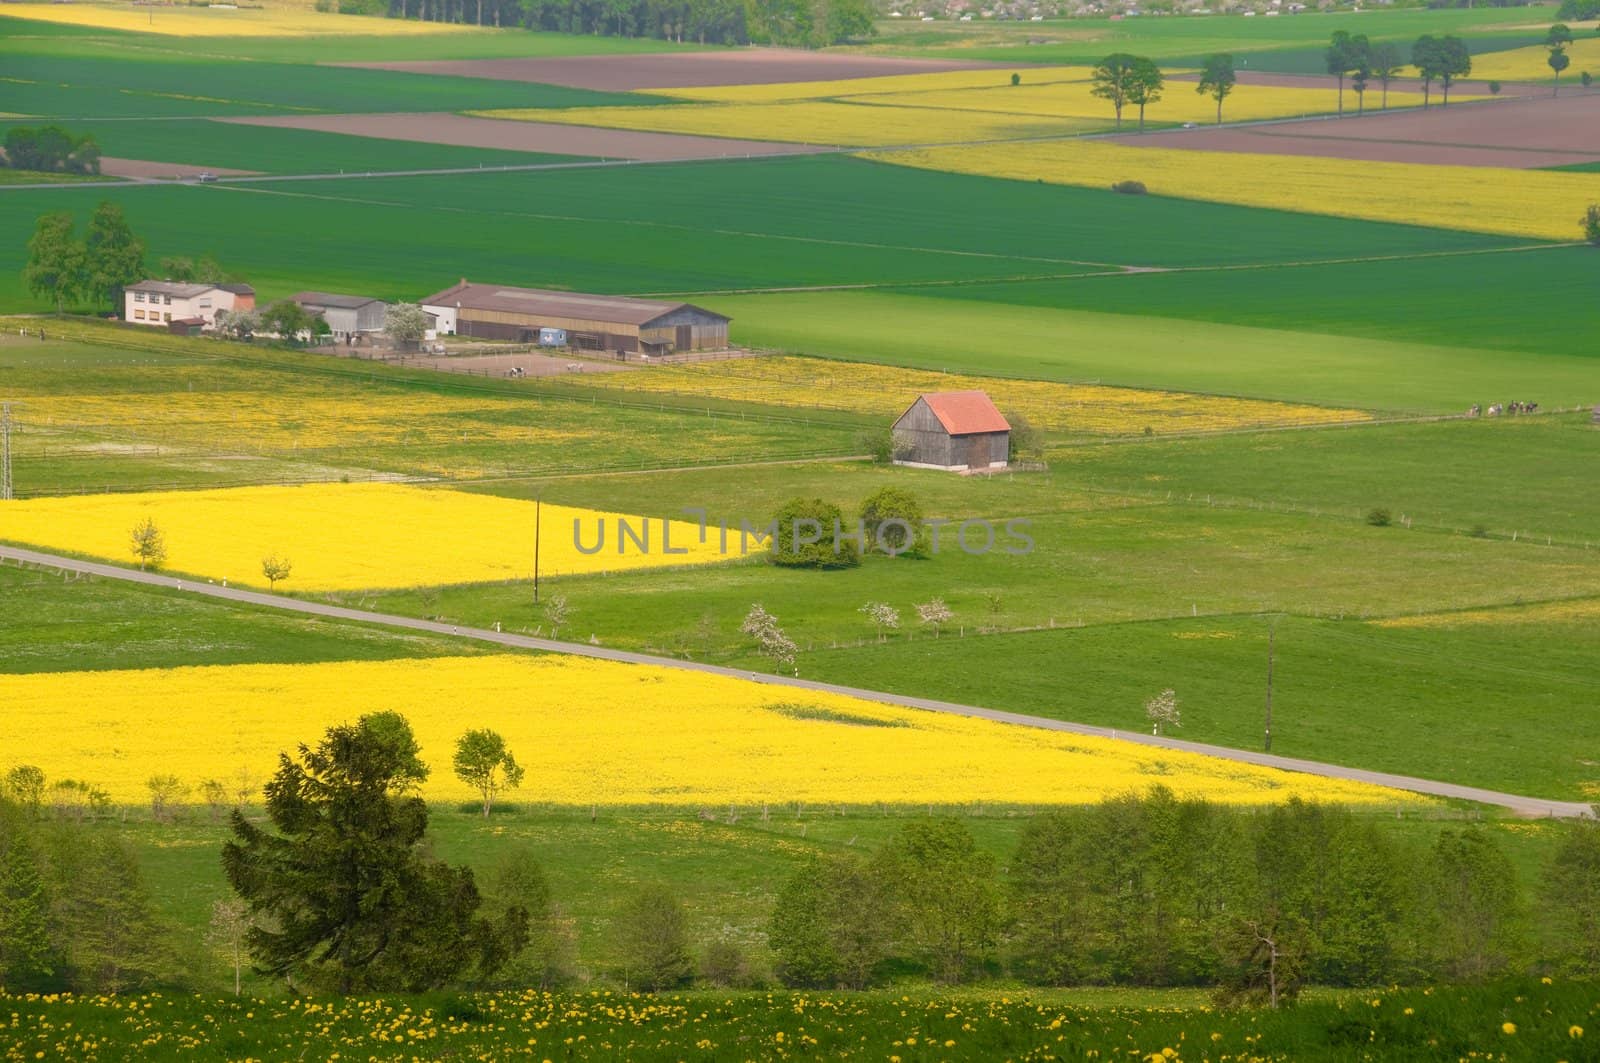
x=269 y=150
x=166 y=413
x=78 y=79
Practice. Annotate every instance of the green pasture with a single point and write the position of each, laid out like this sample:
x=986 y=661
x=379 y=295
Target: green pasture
x=1092 y=346
x=265 y=149
x=77 y=79
x=1183 y=41
x=74 y=623
x=425 y=423
x=696 y=229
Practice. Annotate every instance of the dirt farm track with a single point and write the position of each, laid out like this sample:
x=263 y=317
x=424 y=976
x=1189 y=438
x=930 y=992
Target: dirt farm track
x=1521 y=133
x=626 y=73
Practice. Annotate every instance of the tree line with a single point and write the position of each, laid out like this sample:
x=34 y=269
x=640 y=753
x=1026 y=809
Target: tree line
x=338 y=890
x=792 y=23
x=51 y=149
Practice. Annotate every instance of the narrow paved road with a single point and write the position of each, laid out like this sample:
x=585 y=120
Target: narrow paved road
x=1523 y=806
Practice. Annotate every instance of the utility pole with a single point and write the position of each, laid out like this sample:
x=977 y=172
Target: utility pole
x=1272 y=637
x=6 y=491
x=537 y=503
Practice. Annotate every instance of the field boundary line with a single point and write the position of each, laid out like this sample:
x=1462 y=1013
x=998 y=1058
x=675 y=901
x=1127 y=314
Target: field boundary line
x=1520 y=804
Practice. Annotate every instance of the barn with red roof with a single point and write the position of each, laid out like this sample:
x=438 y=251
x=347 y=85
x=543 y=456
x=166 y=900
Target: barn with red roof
x=956 y=430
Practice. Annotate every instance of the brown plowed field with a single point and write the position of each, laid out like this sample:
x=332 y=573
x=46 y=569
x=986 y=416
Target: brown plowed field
x=626 y=73
x=1522 y=134
x=162 y=171
x=527 y=136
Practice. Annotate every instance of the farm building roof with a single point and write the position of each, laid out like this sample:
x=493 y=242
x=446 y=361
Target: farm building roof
x=176 y=289
x=539 y=301
x=342 y=302
x=965 y=412
x=237 y=289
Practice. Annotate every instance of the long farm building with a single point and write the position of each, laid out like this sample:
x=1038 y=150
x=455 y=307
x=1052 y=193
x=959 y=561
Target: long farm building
x=588 y=322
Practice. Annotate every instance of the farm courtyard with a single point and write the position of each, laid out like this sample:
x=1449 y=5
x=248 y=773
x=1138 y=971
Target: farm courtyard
x=1257 y=668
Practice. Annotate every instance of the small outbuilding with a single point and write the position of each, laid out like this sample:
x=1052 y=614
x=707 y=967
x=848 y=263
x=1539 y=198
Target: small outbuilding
x=960 y=431
x=349 y=317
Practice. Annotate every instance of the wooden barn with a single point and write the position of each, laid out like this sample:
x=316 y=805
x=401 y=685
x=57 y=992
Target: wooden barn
x=590 y=322
x=956 y=430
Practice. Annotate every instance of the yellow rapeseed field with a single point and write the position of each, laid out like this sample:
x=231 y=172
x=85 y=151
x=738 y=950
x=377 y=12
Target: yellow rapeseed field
x=1533 y=203
x=1179 y=103
x=885 y=391
x=1532 y=64
x=909 y=83
x=349 y=536
x=811 y=122
x=279 y=20
x=598 y=732
x=1576 y=611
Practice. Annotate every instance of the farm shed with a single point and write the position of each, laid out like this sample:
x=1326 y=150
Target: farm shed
x=592 y=322
x=954 y=430
x=348 y=316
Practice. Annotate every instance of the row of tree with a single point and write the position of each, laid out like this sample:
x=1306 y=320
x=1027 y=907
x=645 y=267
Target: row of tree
x=51 y=149
x=64 y=268
x=793 y=23
x=1159 y=891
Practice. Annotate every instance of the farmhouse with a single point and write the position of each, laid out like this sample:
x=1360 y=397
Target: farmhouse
x=590 y=322
x=163 y=302
x=349 y=317
x=955 y=430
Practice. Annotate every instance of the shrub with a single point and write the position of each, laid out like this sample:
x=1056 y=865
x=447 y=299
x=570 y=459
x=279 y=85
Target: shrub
x=1379 y=518
x=653 y=937
x=1130 y=188
x=803 y=519
x=1591 y=224
x=1025 y=443
x=726 y=966
x=892 y=517
x=1494 y=88
x=1016 y=79
x=878 y=444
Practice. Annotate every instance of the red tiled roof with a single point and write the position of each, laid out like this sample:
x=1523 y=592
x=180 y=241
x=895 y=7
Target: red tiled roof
x=965 y=412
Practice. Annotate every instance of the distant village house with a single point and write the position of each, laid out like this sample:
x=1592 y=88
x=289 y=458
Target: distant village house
x=960 y=431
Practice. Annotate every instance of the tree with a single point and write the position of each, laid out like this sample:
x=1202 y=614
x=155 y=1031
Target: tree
x=228 y=933
x=149 y=545
x=1112 y=80
x=1556 y=41
x=50 y=149
x=1162 y=710
x=238 y=324
x=55 y=266
x=653 y=937
x=884 y=617
x=113 y=255
x=1217 y=79
x=215 y=795
x=182 y=268
x=1476 y=905
x=935 y=614
x=810 y=533
x=1572 y=898
x=1454 y=62
x=770 y=639
x=405 y=324
x=1386 y=66
x=483 y=762
x=24 y=786
x=1053 y=904
x=1591 y=224
x=293 y=323
x=1340 y=60
x=1024 y=442
x=1144 y=87
x=945 y=892
x=343 y=888
x=892 y=517
x=275 y=567
x=517 y=881
x=555 y=611
x=831 y=925
x=27 y=957
x=1425 y=56
x=104 y=914
x=164 y=790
